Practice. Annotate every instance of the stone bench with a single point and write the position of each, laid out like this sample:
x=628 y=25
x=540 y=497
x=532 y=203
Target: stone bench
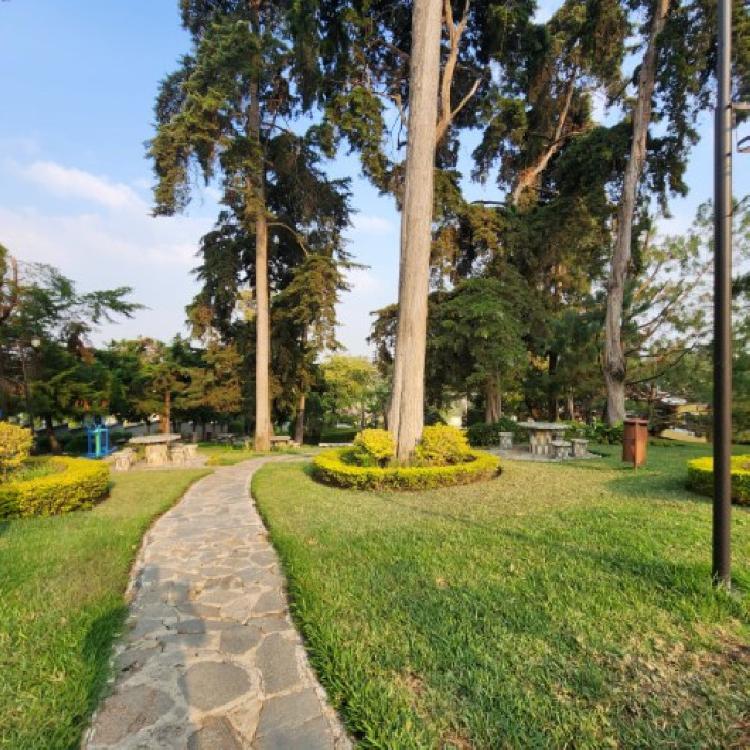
x=282 y=441
x=157 y=455
x=177 y=455
x=560 y=449
x=123 y=460
x=506 y=440
x=580 y=447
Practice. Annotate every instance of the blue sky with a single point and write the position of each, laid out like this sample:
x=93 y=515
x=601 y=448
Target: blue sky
x=78 y=84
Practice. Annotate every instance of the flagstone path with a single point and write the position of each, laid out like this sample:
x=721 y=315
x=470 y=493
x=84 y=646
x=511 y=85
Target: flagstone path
x=211 y=659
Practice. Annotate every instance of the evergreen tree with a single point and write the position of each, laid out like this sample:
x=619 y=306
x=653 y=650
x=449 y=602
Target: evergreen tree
x=227 y=109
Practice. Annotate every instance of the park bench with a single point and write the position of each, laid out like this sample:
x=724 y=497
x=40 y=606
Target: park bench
x=506 y=440
x=124 y=459
x=580 y=447
x=177 y=455
x=280 y=441
x=560 y=449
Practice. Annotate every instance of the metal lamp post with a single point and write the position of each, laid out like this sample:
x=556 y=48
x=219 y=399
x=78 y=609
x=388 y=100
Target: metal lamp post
x=723 y=302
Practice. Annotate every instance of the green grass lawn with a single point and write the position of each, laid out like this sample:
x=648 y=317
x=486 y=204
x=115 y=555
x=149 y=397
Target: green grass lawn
x=557 y=606
x=61 y=605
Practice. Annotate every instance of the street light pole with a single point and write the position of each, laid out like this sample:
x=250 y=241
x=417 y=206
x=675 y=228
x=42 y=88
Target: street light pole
x=723 y=302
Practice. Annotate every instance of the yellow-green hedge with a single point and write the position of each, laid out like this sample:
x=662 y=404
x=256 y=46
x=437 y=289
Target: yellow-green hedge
x=701 y=477
x=331 y=467
x=78 y=484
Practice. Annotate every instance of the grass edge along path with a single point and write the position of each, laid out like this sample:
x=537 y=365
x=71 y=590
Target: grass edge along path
x=62 y=585
x=560 y=605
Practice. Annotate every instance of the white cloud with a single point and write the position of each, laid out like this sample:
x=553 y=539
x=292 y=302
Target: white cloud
x=370 y=224
x=72 y=182
x=154 y=256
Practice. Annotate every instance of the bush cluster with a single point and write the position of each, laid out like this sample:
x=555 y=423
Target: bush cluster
x=337 y=467
x=78 y=484
x=701 y=477
x=481 y=434
x=373 y=448
x=15 y=447
x=76 y=443
x=601 y=432
x=442 y=445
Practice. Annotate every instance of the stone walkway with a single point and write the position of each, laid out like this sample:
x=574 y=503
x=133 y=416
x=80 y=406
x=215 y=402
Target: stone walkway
x=210 y=658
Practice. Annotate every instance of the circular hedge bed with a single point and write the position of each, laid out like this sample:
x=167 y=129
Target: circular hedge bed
x=337 y=467
x=701 y=477
x=71 y=483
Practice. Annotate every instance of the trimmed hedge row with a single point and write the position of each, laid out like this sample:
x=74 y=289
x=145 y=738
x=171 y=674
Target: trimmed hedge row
x=701 y=477
x=78 y=484
x=332 y=468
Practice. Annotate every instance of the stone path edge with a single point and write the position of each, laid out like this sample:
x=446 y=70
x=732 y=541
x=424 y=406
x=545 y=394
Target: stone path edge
x=210 y=657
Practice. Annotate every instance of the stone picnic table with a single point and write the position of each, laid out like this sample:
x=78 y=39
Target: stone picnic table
x=541 y=435
x=157 y=447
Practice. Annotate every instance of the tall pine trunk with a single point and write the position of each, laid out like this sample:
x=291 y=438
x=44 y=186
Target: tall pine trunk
x=614 y=365
x=262 y=337
x=166 y=417
x=54 y=443
x=256 y=198
x=299 y=424
x=407 y=403
x=493 y=408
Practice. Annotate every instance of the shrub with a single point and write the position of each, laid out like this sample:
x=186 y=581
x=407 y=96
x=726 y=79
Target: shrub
x=337 y=435
x=701 y=477
x=78 y=484
x=601 y=432
x=482 y=433
x=442 y=445
x=373 y=448
x=15 y=446
x=336 y=467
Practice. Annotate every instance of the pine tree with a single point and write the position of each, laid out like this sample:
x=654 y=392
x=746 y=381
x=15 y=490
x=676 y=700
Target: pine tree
x=232 y=96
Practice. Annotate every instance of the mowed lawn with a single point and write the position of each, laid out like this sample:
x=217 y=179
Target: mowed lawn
x=62 y=581
x=558 y=606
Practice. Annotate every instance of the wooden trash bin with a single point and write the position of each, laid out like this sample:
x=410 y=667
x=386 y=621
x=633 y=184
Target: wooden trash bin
x=635 y=441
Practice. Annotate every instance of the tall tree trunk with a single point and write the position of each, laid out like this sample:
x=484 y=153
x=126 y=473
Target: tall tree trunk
x=493 y=409
x=571 y=407
x=54 y=443
x=262 y=337
x=553 y=403
x=166 y=417
x=299 y=423
x=407 y=407
x=256 y=208
x=614 y=356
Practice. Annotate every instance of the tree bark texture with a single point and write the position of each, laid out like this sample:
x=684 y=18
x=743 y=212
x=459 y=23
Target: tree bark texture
x=614 y=365
x=407 y=408
x=262 y=337
x=256 y=209
x=492 y=401
x=299 y=424
x=166 y=418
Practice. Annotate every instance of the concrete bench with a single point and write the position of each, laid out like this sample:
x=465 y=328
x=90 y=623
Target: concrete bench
x=506 y=440
x=560 y=449
x=580 y=447
x=191 y=451
x=124 y=459
x=280 y=441
x=177 y=455
x=157 y=455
